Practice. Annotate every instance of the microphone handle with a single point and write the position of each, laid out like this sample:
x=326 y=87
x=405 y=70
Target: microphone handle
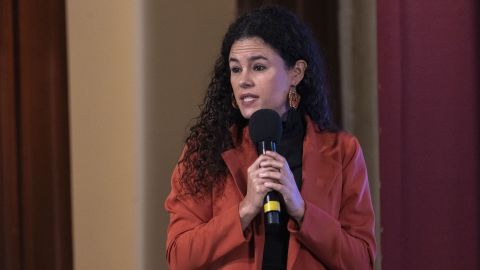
x=271 y=208
x=264 y=146
x=271 y=202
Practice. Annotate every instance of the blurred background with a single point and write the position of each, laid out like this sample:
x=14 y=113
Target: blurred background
x=96 y=98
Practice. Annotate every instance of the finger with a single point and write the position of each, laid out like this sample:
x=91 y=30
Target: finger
x=275 y=156
x=275 y=186
x=256 y=176
x=259 y=180
x=259 y=185
x=280 y=177
x=256 y=164
x=262 y=189
x=265 y=170
x=271 y=174
x=272 y=163
x=264 y=177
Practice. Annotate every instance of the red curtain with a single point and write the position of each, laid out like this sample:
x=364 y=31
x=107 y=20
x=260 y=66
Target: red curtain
x=428 y=65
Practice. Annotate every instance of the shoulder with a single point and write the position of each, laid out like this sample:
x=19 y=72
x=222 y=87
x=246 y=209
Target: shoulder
x=325 y=139
x=337 y=139
x=341 y=145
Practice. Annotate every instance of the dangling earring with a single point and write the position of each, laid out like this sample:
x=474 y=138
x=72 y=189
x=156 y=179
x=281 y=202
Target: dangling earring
x=234 y=102
x=293 y=97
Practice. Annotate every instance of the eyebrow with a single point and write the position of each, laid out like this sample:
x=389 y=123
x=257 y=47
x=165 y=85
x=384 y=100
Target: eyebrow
x=250 y=59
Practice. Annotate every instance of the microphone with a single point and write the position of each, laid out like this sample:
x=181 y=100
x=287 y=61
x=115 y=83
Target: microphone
x=265 y=127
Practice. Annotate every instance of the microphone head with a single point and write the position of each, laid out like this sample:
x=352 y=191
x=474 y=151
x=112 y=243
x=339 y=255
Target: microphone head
x=265 y=125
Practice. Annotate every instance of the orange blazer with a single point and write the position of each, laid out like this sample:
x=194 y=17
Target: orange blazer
x=338 y=226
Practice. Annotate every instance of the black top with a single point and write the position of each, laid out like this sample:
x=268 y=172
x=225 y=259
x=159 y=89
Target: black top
x=291 y=147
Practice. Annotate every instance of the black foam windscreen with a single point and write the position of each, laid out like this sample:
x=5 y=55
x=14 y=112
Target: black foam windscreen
x=265 y=125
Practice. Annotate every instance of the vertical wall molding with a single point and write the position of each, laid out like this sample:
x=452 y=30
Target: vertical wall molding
x=358 y=76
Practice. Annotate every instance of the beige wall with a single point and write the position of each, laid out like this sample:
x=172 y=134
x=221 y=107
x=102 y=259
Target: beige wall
x=138 y=70
x=181 y=43
x=105 y=90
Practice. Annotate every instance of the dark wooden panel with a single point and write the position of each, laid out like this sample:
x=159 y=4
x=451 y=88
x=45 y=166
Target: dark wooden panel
x=34 y=137
x=10 y=255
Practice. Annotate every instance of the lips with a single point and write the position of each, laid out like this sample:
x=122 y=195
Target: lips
x=248 y=98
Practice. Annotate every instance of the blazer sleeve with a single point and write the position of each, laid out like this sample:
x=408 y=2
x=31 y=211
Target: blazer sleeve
x=349 y=242
x=195 y=238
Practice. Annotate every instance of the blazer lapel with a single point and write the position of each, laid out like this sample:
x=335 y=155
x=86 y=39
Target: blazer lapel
x=320 y=166
x=318 y=173
x=238 y=159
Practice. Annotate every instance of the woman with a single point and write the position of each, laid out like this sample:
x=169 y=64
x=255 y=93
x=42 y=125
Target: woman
x=269 y=60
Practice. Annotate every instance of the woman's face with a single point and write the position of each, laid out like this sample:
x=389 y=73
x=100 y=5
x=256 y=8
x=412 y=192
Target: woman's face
x=259 y=77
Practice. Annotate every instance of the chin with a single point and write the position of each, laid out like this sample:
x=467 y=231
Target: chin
x=247 y=113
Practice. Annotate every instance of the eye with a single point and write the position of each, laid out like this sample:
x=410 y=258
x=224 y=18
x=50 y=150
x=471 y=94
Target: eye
x=235 y=69
x=259 y=67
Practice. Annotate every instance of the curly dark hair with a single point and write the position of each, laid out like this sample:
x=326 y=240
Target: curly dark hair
x=203 y=166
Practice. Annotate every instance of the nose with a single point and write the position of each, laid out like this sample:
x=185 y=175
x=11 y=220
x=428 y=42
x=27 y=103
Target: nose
x=245 y=81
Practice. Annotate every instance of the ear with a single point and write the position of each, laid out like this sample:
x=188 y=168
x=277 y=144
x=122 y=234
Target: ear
x=297 y=72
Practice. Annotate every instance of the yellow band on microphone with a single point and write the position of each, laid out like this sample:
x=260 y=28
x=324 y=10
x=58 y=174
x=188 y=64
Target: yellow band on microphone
x=271 y=206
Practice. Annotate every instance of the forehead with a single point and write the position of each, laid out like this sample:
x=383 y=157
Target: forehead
x=247 y=47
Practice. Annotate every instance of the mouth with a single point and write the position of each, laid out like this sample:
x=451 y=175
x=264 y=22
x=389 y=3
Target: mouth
x=248 y=98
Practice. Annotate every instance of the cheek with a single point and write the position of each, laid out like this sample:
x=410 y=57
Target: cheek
x=279 y=86
x=280 y=80
x=233 y=85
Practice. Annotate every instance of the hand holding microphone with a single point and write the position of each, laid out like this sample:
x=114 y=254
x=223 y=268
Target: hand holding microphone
x=265 y=127
x=285 y=185
x=269 y=177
